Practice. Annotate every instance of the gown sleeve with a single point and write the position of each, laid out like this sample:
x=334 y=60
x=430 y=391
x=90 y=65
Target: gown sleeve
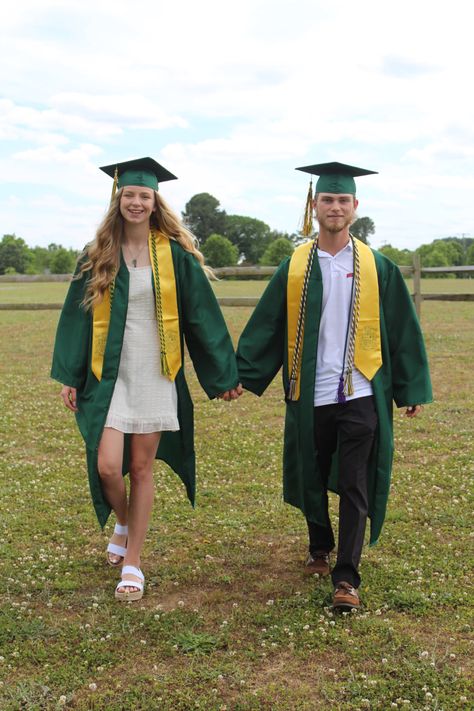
x=71 y=347
x=260 y=353
x=205 y=331
x=410 y=372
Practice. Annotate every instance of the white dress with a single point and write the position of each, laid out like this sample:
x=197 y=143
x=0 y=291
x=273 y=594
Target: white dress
x=143 y=400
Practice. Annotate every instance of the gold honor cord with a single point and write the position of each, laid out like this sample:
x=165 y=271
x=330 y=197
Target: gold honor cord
x=166 y=302
x=364 y=348
x=166 y=305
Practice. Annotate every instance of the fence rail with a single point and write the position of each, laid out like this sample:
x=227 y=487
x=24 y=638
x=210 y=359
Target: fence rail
x=415 y=271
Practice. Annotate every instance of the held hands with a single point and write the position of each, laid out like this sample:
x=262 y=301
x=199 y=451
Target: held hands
x=69 y=396
x=231 y=394
x=413 y=410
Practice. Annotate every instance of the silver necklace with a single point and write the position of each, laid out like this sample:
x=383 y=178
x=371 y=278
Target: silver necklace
x=135 y=258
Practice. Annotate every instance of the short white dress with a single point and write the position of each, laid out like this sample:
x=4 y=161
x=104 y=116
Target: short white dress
x=143 y=400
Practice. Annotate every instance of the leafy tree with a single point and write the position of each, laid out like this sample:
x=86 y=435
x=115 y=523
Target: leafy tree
x=294 y=237
x=399 y=256
x=277 y=251
x=220 y=252
x=250 y=236
x=362 y=228
x=470 y=255
x=437 y=258
x=202 y=216
x=62 y=261
x=425 y=251
x=41 y=259
x=456 y=251
x=14 y=253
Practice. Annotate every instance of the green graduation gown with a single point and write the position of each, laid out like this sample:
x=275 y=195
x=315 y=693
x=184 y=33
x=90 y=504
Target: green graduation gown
x=209 y=344
x=403 y=377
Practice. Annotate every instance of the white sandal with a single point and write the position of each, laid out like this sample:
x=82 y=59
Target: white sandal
x=138 y=584
x=115 y=549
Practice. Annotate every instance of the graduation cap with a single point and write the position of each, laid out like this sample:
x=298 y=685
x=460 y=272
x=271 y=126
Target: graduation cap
x=336 y=177
x=333 y=178
x=144 y=172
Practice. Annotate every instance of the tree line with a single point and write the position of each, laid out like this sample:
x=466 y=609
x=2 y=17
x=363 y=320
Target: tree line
x=17 y=258
x=227 y=240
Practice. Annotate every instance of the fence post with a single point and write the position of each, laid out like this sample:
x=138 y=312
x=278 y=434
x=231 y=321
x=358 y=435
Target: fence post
x=417 y=283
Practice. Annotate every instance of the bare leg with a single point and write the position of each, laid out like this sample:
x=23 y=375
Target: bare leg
x=113 y=484
x=142 y=455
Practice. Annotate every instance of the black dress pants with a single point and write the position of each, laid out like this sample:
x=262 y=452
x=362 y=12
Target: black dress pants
x=351 y=427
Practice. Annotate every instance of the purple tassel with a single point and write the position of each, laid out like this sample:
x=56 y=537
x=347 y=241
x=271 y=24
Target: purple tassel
x=340 y=390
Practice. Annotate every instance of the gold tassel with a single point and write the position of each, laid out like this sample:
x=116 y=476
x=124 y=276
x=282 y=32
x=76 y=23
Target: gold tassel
x=307 y=228
x=348 y=385
x=164 y=365
x=114 y=186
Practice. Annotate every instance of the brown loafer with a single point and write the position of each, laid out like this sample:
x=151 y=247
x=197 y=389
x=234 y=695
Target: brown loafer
x=317 y=562
x=345 y=597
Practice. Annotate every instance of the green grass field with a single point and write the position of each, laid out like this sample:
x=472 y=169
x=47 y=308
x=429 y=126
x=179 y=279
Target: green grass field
x=54 y=292
x=228 y=620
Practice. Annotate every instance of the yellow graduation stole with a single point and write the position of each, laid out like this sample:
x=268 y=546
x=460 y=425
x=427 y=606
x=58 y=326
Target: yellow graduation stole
x=166 y=304
x=364 y=346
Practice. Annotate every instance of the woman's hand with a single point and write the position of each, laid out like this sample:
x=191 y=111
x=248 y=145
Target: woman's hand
x=232 y=394
x=413 y=410
x=69 y=396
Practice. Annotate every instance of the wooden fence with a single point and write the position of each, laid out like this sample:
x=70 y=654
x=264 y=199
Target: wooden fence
x=414 y=271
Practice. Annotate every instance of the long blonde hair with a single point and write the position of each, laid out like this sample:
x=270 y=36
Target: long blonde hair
x=102 y=256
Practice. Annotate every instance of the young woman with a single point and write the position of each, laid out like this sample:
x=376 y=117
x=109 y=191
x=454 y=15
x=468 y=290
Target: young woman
x=139 y=288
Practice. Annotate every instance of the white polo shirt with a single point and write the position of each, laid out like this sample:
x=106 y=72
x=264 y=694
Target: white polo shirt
x=337 y=271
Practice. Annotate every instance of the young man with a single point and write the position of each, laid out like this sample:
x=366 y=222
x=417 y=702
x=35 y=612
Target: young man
x=338 y=317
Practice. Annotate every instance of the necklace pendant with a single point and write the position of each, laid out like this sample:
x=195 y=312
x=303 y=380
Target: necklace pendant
x=134 y=262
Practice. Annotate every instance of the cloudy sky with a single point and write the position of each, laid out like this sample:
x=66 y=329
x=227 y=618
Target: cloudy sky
x=231 y=97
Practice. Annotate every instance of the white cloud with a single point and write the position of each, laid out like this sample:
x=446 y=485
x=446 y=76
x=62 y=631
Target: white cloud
x=132 y=110
x=16 y=119
x=232 y=98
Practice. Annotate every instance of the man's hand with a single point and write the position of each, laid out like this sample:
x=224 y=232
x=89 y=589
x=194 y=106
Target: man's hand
x=69 y=396
x=232 y=394
x=413 y=410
